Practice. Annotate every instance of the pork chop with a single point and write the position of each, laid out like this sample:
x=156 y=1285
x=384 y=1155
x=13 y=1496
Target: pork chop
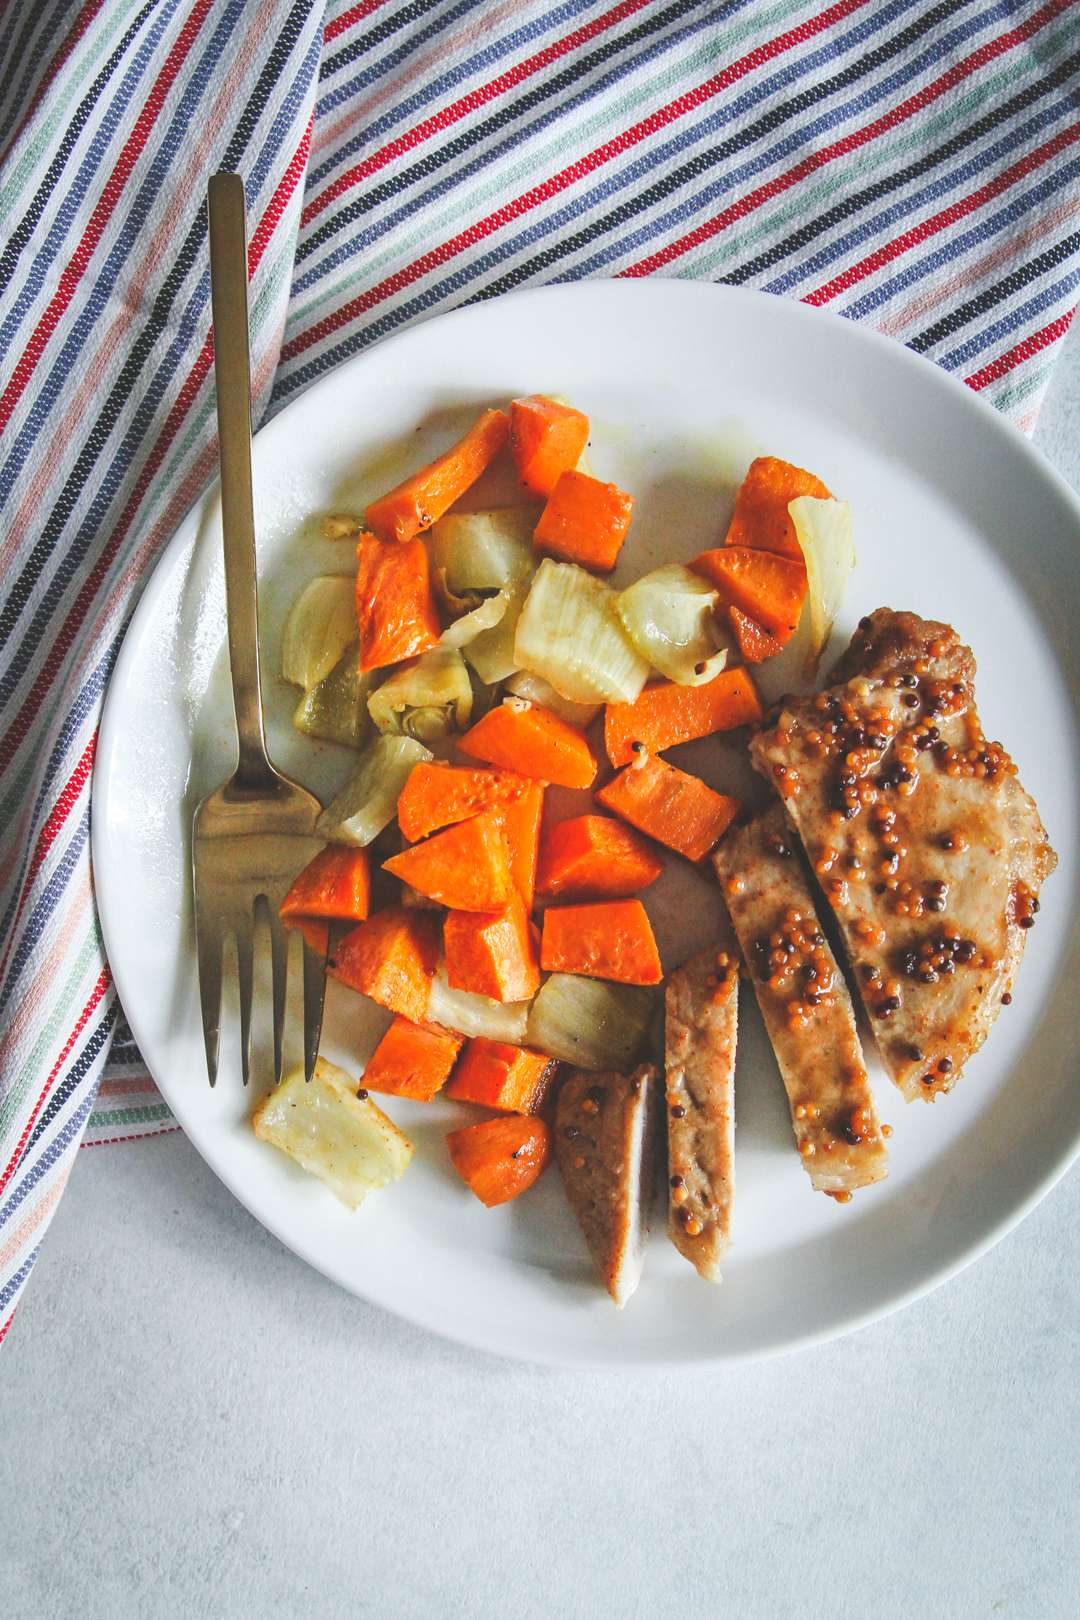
x=805 y=1004
x=605 y=1131
x=702 y=1008
x=928 y=850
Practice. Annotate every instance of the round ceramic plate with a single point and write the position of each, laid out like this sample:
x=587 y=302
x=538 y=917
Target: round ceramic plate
x=956 y=517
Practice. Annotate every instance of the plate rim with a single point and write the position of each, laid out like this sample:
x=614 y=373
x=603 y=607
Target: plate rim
x=591 y=1358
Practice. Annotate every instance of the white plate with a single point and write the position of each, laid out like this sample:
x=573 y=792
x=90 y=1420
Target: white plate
x=956 y=517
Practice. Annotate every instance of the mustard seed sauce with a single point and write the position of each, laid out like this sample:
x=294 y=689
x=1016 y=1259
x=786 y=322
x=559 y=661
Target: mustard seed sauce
x=926 y=847
x=805 y=1004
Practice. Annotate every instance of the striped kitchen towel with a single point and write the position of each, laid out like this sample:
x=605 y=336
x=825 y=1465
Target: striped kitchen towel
x=911 y=164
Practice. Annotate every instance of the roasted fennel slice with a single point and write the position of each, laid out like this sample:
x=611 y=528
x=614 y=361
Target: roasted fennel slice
x=491 y=653
x=534 y=689
x=343 y=1139
x=670 y=617
x=824 y=531
x=320 y=626
x=484 y=616
x=590 y=1022
x=430 y=699
x=473 y=1015
x=340 y=526
x=570 y=633
x=483 y=551
x=336 y=709
x=368 y=801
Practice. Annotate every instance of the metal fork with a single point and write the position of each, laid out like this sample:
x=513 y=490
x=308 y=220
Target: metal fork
x=251 y=836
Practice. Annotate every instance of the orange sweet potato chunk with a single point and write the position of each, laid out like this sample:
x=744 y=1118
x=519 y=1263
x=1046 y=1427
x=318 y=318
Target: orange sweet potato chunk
x=421 y=500
x=673 y=807
x=437 y=795
x=492 y=953
x=529 y=739
x=767 y=587
x=520 y=822
x=391 y=958
x=497 y=1075
x=594 y=858
x=667 y=714
x=395 y=608
x=412 y=1060
x=336 y=884
x=611 y=939
x=584 y=522
x=546 y=440
x=499 y=1158
x=464 y=867
x=760 y=519
x=755 y=643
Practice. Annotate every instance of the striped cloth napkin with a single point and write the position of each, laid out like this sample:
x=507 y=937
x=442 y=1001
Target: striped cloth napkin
x=909 y=164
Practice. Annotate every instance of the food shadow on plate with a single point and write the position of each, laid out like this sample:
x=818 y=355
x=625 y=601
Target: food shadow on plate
x=539 y=1227
x=545 y=1235
x=683 y=497
x=427 y=1126
x=396 y=457
x=676 y=517
x=762 y=1115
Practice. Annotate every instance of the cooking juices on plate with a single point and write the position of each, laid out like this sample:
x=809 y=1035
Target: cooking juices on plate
x=478 y=658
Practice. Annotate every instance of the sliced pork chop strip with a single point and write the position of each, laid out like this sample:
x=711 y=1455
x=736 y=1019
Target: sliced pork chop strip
x=605 y=1145
x=805 y=1003
x=928 y=850
x=701 y=1027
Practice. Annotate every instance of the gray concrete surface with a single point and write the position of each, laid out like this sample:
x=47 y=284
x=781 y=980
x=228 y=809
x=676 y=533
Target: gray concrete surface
x=192 y=1423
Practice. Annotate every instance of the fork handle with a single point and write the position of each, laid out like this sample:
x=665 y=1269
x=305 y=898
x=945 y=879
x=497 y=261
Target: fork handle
x=232 y=368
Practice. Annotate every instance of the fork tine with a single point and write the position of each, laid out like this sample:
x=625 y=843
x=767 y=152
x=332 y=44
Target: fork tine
x=208 y=952
x=245 y=954
x=314 y=992
x=279 y=960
